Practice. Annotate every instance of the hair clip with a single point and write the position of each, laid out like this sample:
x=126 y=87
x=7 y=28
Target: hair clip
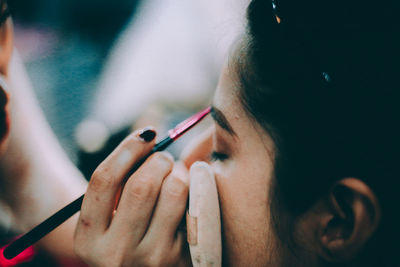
x=278 y=19
x=326 y=76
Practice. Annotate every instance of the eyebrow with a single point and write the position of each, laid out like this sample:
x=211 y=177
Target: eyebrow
x=221 y=120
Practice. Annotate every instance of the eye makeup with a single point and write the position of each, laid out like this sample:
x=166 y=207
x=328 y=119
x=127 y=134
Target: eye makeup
x=217 y=156
x=221 y=150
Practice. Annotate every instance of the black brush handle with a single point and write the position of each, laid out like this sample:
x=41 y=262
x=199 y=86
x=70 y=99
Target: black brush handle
x=42 y=229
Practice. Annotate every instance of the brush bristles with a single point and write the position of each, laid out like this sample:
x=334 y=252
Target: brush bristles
x=188 y=123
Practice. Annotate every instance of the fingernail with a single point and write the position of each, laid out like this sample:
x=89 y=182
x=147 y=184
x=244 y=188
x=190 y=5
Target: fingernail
x=147 y=134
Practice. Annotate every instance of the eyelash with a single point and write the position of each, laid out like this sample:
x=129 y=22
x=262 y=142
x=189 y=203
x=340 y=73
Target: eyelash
x=217 y=156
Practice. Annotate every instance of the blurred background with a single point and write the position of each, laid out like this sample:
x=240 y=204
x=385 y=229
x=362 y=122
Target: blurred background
x=100 y=68
x=64 y=45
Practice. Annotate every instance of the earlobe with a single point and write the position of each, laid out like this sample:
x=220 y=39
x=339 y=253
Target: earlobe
x=355 y=215
x=6 y=45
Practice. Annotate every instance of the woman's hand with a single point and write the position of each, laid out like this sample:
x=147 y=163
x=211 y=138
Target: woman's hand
x=141 y=230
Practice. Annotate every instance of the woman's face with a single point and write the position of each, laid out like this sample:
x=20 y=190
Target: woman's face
x=242 y=160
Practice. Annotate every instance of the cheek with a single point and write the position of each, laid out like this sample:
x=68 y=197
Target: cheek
x=244 y=193
x=243 y=186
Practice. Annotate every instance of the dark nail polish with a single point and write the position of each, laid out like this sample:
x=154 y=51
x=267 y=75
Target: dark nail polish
x=147 y=135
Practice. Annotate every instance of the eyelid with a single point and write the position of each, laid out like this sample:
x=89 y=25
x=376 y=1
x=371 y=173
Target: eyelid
x=221 y=147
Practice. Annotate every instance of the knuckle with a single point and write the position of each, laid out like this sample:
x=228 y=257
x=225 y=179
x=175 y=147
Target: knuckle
x=176 y=187
x=142 y=188
x=102 y=179
x=153 y=259
x=145 y=257
x=163 y=159
x=84 y=223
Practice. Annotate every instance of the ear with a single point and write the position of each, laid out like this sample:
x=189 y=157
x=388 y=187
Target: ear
x=6 y=45
x=352 y=218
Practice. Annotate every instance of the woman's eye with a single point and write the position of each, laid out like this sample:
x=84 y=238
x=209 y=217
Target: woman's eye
x=217 y=156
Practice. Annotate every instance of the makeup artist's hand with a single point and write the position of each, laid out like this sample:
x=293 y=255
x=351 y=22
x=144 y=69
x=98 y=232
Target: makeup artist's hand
x=142 y=231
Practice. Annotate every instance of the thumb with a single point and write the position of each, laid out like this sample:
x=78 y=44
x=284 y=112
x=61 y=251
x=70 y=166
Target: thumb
x=203 y=219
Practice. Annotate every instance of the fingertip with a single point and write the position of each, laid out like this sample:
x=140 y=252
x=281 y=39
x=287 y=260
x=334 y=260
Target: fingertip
x=168 y=155
x=165 y=157
x=177 y=186
x=147 y=134
x=134 y=139
x=201 y=168
x=181 y=171
x=202 y=183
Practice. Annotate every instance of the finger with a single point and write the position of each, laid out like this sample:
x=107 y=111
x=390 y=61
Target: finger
x=170 y=208
x=100 y=197
x=203 y=219
x=181 y=249
x=198 y=149
x=139 y=197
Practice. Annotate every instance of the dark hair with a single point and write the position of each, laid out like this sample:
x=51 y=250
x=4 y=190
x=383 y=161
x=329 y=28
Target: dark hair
x=321 y=79
x=4 y=11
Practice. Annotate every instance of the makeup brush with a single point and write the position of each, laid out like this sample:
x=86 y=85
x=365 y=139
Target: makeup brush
x=25 y=241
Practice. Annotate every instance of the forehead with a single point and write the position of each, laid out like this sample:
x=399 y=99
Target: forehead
x=228 y=90
x=227 y=93
x=226 y=99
